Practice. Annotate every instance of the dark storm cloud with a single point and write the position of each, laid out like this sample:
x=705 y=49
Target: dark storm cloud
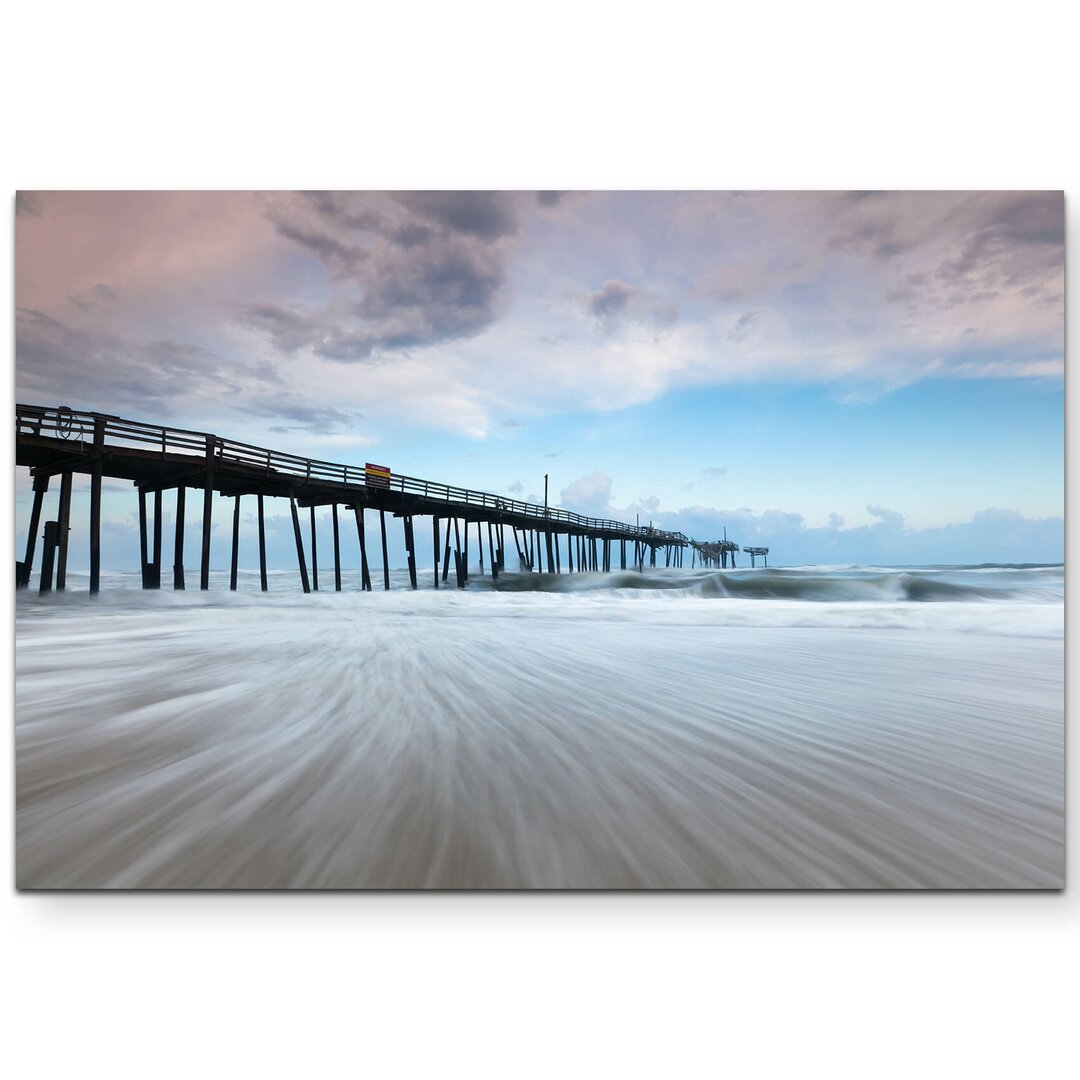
x=485 y=214
x=549 y=198
x=410 y=269
x=101 y=369
x=1013 y=238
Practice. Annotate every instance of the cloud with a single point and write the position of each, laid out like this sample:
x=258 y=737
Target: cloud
x=892 y=518
x=96 y=296
x=450 y=305
x=991 y=535
x=589 y=495
x=516 y=487
x=714 y=472
x=743 y=325
x=314 y=418
x=514 y=423
x=408 y=270
x=611 y=299
x=101 y=369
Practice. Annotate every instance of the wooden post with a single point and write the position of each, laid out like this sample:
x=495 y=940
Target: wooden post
x=337 y=552
x=262 y=547
x=491 y=552
x=178 y=543
x=64 y=524
x=155 y=566
x=465 y=554
x=517 y=544
x=410 y=550
x=458 y=557
x=435 y=547
x=480 y=548
x=314 y=555
x=24 y=569
x=142 y=540
x=207 y=512
x=550 y=554
x=385 y=554
x=299 y=545
x=365 y=577
x=446 y=554
x=48 y=554
x=558 y=561
x=234 y=565
x=569 y=553
x=95 y=504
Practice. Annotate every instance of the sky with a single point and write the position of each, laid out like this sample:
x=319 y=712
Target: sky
x=867 y=377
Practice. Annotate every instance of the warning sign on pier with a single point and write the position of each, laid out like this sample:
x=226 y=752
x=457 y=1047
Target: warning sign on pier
x=377 y=475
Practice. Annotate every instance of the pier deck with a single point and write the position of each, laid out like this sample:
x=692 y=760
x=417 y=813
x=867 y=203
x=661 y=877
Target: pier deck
x=58 y=442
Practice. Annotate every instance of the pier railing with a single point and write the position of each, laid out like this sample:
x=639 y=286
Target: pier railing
x=70 y=424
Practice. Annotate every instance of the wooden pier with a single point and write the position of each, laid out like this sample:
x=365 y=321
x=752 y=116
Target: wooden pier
x=754 y=552
x=717 y=555
x=56 y=442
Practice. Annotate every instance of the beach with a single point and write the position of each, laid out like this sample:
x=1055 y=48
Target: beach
x=839 y=727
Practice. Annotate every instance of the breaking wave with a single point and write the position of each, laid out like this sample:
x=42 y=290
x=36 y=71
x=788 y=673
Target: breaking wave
x=819 y=584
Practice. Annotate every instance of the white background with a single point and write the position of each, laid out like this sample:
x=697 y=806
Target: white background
x=599 y=95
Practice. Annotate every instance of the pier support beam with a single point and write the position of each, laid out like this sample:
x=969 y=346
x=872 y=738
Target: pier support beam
x=410 y=550
x=365 y=576
x=178 y=542
x=235 y=561
x=385 y=553
x=95 y=504
x=24 y=569
x=155 y=566
x=299 y=546
x=435 y=548
x=207 y=512
x=458 y=557
x=446 y=554
x=48 y=555
x=262 y=547
x=64 y=524
x=517 y=543
x=143 y=557
x=337 y=551
x=314 y=555
x=491 y=552
x=550 y=554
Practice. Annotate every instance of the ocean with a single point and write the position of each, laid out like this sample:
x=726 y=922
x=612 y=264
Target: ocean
x=820 y=727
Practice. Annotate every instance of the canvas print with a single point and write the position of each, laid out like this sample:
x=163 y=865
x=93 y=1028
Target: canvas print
x=539 y=540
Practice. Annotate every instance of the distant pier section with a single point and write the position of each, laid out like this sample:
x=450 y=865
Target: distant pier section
x=57 y=442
